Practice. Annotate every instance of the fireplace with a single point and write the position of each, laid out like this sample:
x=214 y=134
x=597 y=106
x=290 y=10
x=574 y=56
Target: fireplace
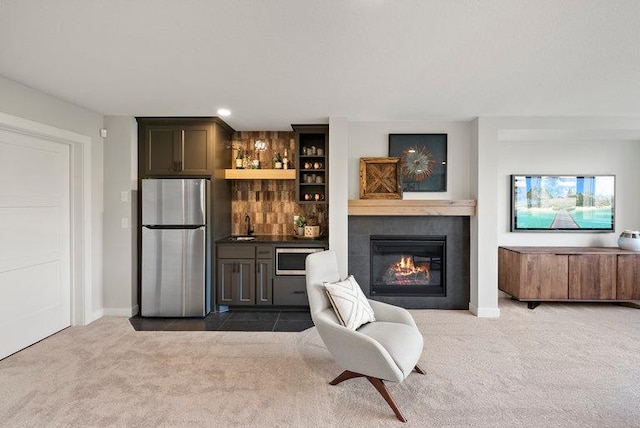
x=454 y=290
x=408 y=265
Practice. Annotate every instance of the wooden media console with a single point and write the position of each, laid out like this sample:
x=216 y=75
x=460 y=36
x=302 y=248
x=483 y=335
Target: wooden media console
x=558 y=274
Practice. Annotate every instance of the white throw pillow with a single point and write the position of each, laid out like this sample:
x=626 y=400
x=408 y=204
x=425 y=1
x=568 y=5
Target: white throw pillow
x=349 y=303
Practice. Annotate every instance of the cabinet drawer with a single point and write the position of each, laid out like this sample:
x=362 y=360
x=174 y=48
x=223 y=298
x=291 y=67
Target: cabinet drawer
x=290 y=291
x=240 y=251
x=264 y=251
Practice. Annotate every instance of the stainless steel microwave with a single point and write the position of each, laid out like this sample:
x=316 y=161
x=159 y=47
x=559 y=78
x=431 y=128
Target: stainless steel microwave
x=291 y=260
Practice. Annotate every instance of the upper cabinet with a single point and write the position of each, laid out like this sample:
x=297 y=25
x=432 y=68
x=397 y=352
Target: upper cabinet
x=180 y=146
x=312 y=147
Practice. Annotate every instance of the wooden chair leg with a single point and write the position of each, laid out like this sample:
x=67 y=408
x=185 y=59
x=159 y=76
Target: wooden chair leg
x=419 y=370
x=345 y=375
x=379 y=385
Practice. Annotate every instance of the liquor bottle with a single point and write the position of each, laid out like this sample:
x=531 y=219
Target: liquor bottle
x=239 y=160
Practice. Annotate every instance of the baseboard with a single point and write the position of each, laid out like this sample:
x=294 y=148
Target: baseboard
x=484 y=312
x=121 y=312
x=93 y=316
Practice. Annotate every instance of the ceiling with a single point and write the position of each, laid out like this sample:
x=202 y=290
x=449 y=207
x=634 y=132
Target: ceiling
x=278 y=62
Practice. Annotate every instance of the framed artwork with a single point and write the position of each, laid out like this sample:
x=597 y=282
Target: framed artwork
x=380 y=178
x=423 y=161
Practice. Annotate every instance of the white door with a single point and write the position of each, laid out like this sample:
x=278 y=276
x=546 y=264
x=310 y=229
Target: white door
x=35 y=292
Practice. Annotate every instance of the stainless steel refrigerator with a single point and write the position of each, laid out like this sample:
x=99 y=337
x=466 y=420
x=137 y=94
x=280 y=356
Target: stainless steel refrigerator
x=175 y=248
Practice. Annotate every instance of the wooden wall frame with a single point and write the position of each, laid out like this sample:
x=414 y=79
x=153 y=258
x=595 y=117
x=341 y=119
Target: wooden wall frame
x=380 y=178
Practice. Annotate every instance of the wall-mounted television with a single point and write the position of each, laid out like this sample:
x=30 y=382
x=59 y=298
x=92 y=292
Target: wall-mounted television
x=562 y=203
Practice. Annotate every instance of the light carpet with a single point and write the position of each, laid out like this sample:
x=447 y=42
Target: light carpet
x=560 y=365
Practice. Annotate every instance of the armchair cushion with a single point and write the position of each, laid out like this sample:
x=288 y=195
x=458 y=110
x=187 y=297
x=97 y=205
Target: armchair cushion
x=349 y=303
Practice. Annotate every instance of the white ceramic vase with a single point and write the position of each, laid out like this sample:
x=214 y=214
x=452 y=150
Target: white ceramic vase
x=629 y=240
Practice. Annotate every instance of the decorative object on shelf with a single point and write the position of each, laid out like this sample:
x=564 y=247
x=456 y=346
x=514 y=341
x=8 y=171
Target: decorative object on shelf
x=629 y=240
x=239 y=160
x=277 y=161
x=311 y=150
x=285 y=160
x=380 y=178
x=423 y=161
x=311 y=231
x=301 y=222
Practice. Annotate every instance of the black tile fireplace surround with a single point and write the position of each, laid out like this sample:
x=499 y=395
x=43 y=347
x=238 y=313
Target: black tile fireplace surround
x=457 y=260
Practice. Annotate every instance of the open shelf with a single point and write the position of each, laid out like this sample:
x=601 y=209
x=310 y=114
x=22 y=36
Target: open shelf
x=260 y=174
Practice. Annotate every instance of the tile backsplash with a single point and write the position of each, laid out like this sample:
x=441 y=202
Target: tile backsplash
x=275 y=142
x=271 y=204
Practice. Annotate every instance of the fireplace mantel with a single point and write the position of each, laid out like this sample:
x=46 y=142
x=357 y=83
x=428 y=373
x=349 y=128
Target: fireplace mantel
x=403 y=207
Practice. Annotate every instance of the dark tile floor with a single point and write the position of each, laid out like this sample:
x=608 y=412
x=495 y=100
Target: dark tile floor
x=292 y=321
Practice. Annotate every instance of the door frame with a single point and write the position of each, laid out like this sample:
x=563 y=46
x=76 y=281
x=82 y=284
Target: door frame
x=80 y=211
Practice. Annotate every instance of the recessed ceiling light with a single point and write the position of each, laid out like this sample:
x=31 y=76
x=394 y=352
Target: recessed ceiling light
x=224 y=112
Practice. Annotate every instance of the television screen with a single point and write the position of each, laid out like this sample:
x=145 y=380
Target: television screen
x=568 y=203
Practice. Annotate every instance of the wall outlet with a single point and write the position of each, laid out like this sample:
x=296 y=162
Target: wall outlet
x=124 y=223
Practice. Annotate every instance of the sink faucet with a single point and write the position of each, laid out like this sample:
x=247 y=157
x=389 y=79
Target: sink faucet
x=247 y=220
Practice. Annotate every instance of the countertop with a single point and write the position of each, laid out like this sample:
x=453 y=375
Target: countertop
x=273 y=239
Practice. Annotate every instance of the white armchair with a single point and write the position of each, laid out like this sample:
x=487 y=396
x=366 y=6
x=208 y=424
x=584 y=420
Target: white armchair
x=387 y=349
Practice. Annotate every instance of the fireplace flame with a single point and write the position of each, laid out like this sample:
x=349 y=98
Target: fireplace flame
x=405 y=272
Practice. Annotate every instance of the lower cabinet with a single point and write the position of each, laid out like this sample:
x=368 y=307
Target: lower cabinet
x=244 y=275
x=236 y=282
x=569 y=273
x=264 y=282
x=290 y=291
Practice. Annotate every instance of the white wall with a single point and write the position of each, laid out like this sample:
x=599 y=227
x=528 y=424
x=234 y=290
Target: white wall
x=371 y=139
x=24 y=102
x=120 y=186
x=338 y=191
x=517 y=145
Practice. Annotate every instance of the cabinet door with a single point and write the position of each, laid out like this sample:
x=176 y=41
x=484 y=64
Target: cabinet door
x=245 y=283
x=628 y=287
x=161 y=146
x=592 y=276
x=178 y=150
x=195 y=150
x=226 y=272
x=264 y=282
x=236 y=282
x=545 y=276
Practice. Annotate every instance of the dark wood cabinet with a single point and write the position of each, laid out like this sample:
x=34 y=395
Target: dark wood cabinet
x=182 y=146
x=264 y=275
x=290 y=291
x=236 y=282
x=312 y=148
x=245 y=275
x=178 y=150
x=538 y=274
